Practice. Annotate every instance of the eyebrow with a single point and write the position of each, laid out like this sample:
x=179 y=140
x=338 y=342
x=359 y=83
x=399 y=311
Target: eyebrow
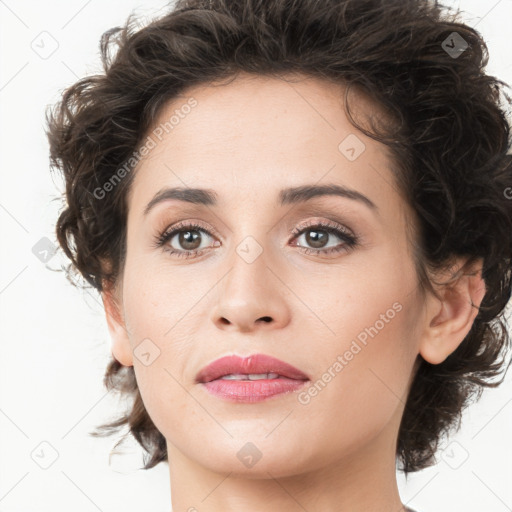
x=294 y=195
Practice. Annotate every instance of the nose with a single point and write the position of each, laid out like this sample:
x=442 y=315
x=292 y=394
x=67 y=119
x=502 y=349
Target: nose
x=251 y=296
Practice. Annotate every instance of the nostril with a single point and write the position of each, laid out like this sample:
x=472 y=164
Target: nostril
x=266 y=319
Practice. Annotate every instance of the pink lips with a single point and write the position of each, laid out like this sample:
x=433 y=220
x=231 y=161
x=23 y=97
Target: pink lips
x=290 y=378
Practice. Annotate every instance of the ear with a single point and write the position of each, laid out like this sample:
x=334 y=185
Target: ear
x=120 y=348
x=450 y=318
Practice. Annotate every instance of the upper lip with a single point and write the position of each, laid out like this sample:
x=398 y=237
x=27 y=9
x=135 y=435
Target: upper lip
x=255 y=363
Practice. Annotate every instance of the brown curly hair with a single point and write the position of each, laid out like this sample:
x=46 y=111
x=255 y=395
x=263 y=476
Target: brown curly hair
x=450 y=140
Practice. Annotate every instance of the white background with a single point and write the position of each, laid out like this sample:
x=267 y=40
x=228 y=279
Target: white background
x=55 y=343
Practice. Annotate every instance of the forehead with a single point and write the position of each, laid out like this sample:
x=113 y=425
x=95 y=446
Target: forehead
x=260 y=134
x=262 y=108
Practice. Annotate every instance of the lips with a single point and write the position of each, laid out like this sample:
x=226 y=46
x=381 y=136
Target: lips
x=253 y=364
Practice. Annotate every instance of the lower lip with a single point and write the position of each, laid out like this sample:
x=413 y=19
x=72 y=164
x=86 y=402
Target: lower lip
x=248 y=391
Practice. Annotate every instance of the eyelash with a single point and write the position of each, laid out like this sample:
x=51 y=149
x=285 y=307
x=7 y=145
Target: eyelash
x=350 y=241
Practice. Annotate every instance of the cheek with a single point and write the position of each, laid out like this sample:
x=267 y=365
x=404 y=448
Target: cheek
x=374 y=303
x=364 y=360
x=159 y=300
x=361 y=386
x=163 y=315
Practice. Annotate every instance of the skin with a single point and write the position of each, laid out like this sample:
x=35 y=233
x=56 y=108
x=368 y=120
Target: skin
x=247 y=140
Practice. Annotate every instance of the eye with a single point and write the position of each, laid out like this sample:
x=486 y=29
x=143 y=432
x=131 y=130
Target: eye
x=318 y=234
x=188 y=236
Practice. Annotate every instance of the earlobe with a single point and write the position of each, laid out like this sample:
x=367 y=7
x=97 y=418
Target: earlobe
x=120 y=347
x=453 y=316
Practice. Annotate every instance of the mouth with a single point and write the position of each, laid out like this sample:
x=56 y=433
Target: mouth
x=252 y=379
x=256 y=367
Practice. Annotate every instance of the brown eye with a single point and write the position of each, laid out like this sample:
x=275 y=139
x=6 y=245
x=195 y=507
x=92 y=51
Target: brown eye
x=318 y=236
x=184 y=240
x=189 y=240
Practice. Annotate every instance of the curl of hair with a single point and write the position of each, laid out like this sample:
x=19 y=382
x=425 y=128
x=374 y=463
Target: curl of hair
x=450 y=140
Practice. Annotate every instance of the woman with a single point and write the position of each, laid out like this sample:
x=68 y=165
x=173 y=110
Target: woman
x=297 y=216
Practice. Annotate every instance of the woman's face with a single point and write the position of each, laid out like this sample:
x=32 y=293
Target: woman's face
x=345 y=315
